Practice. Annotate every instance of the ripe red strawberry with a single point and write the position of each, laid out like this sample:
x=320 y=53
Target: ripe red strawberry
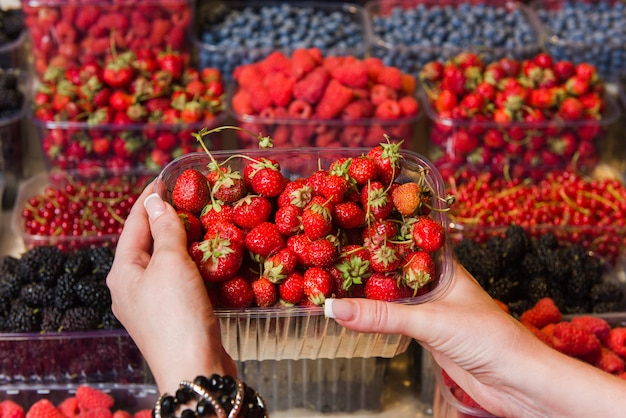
x=235 y=292
x=428 y=234
x=376 y=201
x=265 y=292
x=264 y=240
x=251 y=211
x=299 y=244
x=379 y=232
x=296 y=193
x=387 y=158
x=43 y=408
x=291 y=289
x=573 y=340
x=227 y=231
x=317 y=285
x=192 y=225
x=544 y=312
x=406 y=198
x=571 y=109
x=214 y=212
x=279 y=265
x=321 y=253
x=288 y=220
x=316 y=221
x=385 y=258
x=418 y=269
x=348 y=215
x=268 y=181
x=381 y=286
x=217 y=259
x=335 y=188
x=226 y=185
x=10 y=409
x=191 y=191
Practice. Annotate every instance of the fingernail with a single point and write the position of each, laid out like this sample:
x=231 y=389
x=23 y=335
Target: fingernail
x=338 y=309
x=154 y=206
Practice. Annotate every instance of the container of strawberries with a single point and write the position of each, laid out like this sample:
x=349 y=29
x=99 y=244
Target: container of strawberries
x=516 y=117
x=296 y=226
x=68 y=35
x=311 y=99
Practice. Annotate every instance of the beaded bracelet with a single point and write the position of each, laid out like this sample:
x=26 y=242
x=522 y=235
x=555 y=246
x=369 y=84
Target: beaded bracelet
x=224 y=397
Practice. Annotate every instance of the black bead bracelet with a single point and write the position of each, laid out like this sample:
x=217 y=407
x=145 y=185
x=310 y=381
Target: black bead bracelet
x=220 y=396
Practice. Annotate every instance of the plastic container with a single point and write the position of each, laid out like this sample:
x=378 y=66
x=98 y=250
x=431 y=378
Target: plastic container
x=316 y=132
x=521 y=155
x=73 y=145
x=304 y=332
x=70 y=357
x=261 y=30
x=394 y=46
x=12 y=153
x=130 y=397
x=586 y=41
x=67 y=34
x=37 y=186
x=13 y=54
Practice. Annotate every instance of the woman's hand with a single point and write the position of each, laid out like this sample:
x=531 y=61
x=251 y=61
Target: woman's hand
x=160 y=297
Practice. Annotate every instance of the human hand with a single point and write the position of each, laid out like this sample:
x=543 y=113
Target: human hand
x=160 y=297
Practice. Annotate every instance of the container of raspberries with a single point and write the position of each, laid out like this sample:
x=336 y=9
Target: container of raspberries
x=76 y=208
x=584 y=31
x=231 y=33
x=408 y=34
x=94 y=399
x=56 y=323
x=515 y=118
x=274 y=232
x=66 y=35
x=311 y=99
x=595 y=339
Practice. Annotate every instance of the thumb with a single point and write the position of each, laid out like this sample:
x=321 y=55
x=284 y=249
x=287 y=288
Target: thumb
x=367 y=315
x=167 y=229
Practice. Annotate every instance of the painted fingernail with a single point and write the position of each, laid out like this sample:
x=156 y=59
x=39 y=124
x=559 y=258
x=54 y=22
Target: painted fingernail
x=337 y=308
x=154 y=206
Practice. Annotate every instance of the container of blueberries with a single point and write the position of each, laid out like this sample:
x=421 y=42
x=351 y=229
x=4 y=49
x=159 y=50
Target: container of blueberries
x=409 y=33
x=228 y=34
x=584 y=31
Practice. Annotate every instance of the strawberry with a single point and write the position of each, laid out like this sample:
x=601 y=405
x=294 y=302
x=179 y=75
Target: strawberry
x=379 y=232
x=291 y=289
x=387 y=158
x=418 y=269
x=265 y=292
x=191 y=191
x=348 y=215
x=226 y=185
x=226 y=230
x=376 y=201
x=571 y=109
x=385 y=258
x=10 y=409
x=171 y=62
x=251 y=211
x=296 y=193
x=406 y=198
x=268 y=181
x=428 y=234
x=317 y=285
x=279 y=265
x=544 y=312
x=235 y=292
x=288 y=220
x=264 y=240
x=381 y=286
x=217 y=259
x=363 y=169
x=299 y=244
x=193 y=226
x=316 y=221
x=573 y=340
x=321 y=253
x=334 y=188
x=43 y=408
x=216 y=211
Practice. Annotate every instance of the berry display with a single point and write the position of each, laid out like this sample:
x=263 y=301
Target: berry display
x=585 y=32
x=311 y=99
x=332 y=244
x=515 y=116
x=576 y=209
x=79 y=210
x=70 y=35
x=135 y=109
x=496 y=28
x=235 y=35
x=519 y=270
x=11 y=25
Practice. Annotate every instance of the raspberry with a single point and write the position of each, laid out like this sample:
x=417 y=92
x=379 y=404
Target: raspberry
x=10 y=409
x=241 y=103
x=275 y=62
x=336 y=97
x=389 y=109
x=573 y=340
x=543 y=313
x=352 y=74
x=260 y=97
x=302 y=62
x=616 y=341
x=145 y=413
x=69 y=406
x=121 y=414
x=311 y=88
x=391 y=76
x=380 y=93
x=91 y=398
x=609 y=361
x=248 y=76
x=43 y=408
x=409 y=106
x=280 y=87
x=299 y=109
x=358 y=109
x=374 y=66
x=593 y=324
x=96 y=413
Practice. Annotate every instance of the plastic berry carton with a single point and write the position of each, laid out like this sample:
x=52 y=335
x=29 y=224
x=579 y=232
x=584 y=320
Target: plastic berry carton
x=129 y=397
x=584 y=31
x=528 y=149
x=68 y=34
x=13 y=54
x=73 y=145
x=280 y=333
x=127 y=185
x=70 y=357
x=409 y=33
x=12 y=151
x=230 y=33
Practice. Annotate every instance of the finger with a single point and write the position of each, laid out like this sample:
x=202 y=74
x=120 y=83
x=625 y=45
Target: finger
x=135 y=239
x=167 y=229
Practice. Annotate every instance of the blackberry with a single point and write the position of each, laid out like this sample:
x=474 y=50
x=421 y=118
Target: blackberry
x=101 y=260
x=45 y=262
x=80 y=318
x=51 y=319
x=472 y=257
x=34 y=294
x=10 y=100
x=546 y=241
x=517 y=307
x=23 y=318
x=64 y=296
x=516 y=244
x=533 y=266
x=92 y=293
x=537 y=288
x=557 y=266
x=578 y=286
x=78 y=263
x=109 y=320
x=10 y=285
x=604 y=307
x=12 y=23
x=606 y=292
x=9 y=264
x=577 y=309
x=503 y=289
